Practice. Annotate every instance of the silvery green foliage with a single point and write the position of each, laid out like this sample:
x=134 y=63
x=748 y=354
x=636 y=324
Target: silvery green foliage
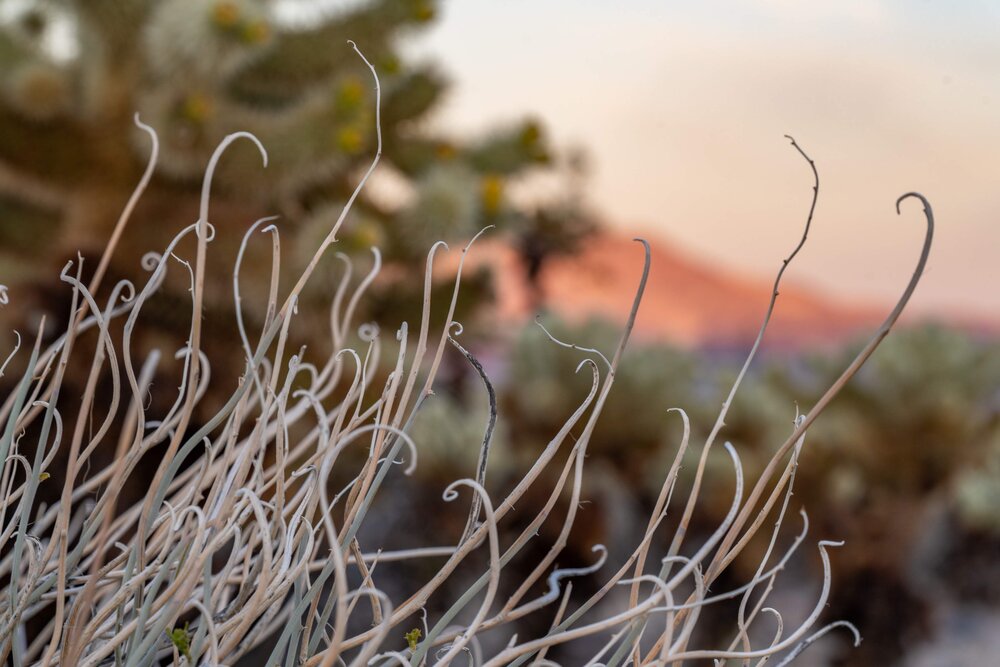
x=447 y=201
x=649 y=377
x=977 y=491
x=241 y=541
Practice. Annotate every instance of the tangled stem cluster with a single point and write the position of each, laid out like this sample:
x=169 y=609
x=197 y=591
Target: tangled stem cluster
x=239 y=542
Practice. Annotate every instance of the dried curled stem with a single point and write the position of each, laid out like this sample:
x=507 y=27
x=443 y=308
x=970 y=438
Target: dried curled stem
x=238 y=541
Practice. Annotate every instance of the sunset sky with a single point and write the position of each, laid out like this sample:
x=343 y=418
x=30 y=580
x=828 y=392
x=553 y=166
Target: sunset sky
x=682 y=107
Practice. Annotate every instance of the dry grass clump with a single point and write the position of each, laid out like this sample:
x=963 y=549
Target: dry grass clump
x=240 y=541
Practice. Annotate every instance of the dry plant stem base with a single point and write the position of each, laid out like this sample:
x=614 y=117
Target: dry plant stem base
x=240 y=542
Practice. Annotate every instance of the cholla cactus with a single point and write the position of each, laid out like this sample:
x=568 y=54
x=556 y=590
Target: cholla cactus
x=240 y=542
x=73 y=73
x=630 y=430
x=977 y=496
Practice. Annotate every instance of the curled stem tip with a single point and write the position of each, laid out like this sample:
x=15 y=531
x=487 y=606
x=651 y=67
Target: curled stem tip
x=914 y=195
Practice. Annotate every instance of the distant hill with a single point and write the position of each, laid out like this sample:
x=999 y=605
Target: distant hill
x=687 y=301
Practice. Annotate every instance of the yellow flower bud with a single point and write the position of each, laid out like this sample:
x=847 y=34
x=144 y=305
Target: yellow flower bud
x=349 y=140
x=445 y=151
x=197 y=108
x=255 y=32
x=491 y=193
x=350 y=95
x=423 y=12
x=225 y=14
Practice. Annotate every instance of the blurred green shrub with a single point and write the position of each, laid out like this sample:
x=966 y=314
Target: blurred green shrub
x=920 y=419
x=904 y=464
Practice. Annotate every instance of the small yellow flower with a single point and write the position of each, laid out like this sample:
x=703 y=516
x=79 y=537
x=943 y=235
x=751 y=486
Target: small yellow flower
x=530 y=134
x=255 y=32
x=423 y=12
x=390 y=64
x=197 y=108
x=349 y=140
x=367 y=234
x=350 y=95
x=445 y=151
x=491 y=193
x=225 y=14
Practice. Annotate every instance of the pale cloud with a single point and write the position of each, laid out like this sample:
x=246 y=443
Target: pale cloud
x=862 y=11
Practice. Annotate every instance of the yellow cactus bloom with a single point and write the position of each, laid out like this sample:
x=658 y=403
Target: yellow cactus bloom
x=368 y=235
x=531 y=134
x=225 y=14
x=423 y=12
x=491 y=193
x=255 y=32
x=350 y=95
x=349 y=140
x=197 y=107
x=445 y=150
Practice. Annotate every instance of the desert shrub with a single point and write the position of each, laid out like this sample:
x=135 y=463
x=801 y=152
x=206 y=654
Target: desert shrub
x=241 y=543
x=903 y=466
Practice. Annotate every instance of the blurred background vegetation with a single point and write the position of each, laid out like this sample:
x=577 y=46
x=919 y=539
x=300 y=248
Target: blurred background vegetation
x=75 y=73
x=905 y=466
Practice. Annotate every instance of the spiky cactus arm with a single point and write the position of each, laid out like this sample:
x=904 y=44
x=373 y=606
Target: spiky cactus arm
x=112 y=20
x=198 y=70
x=301 y=59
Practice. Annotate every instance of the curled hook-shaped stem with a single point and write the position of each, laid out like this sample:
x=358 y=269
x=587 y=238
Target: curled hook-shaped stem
x=572 y=346
x=450 y=494
x=849 y=372
x=484 y=450
x=213 y=162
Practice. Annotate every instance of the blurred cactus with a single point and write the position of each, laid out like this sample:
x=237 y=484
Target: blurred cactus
x=904 y=464
x=977 y=491
x=73 y=73
x=920 y=422
x=650 y=379
x=448 y=430
x=926 y=411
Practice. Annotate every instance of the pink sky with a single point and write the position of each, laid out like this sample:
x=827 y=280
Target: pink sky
x=682 y=107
